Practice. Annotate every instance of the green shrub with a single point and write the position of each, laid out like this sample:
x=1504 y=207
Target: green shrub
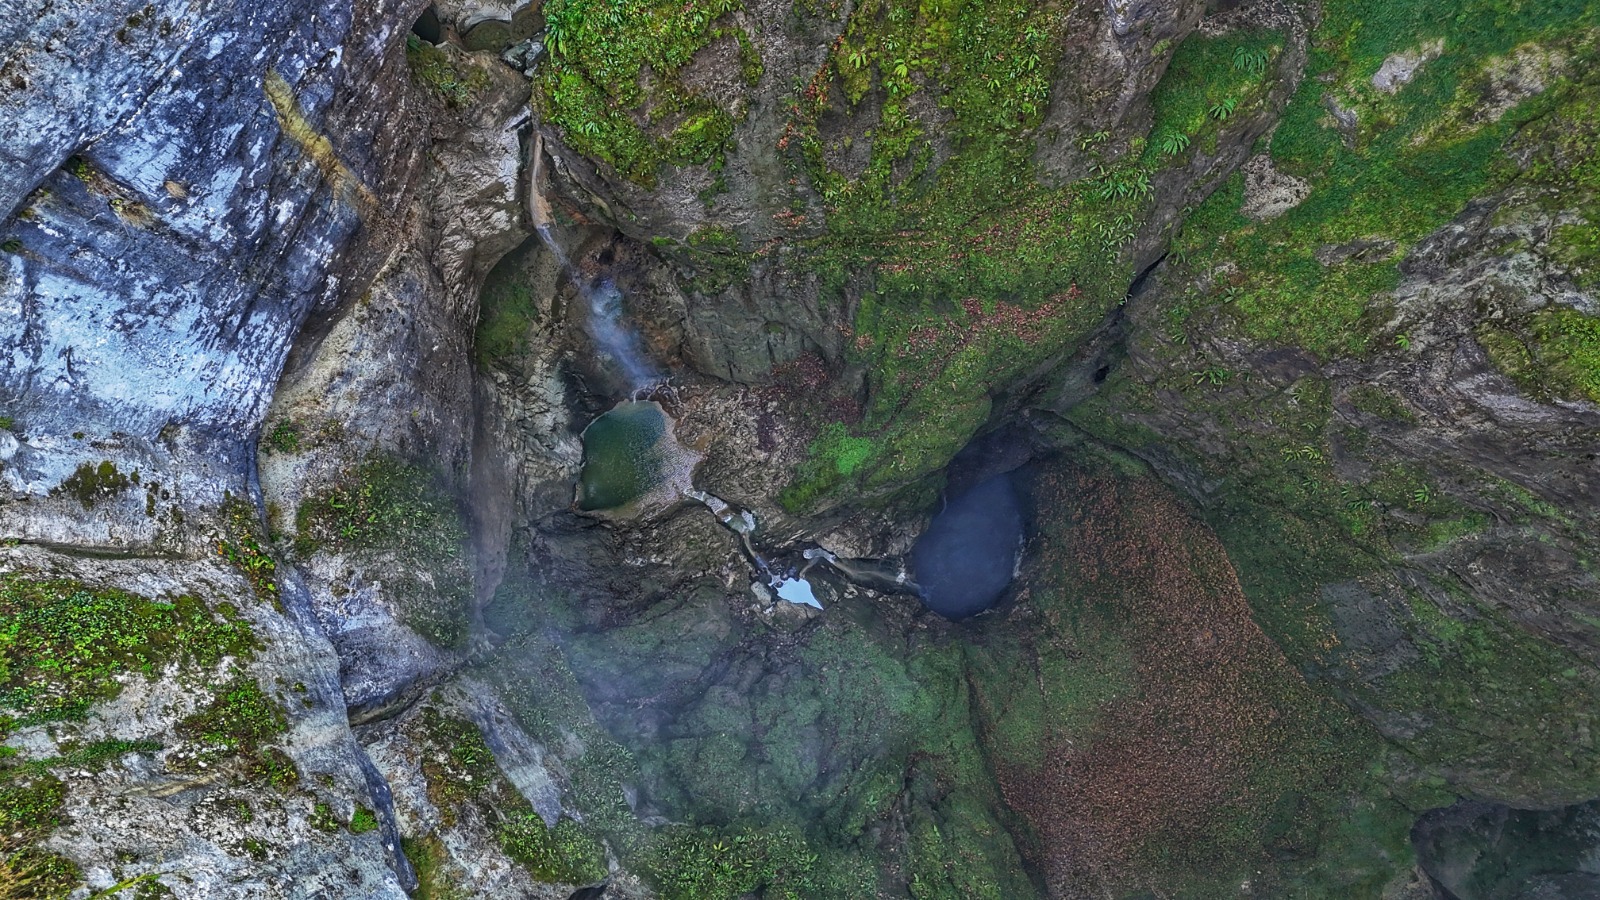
x=564 y=854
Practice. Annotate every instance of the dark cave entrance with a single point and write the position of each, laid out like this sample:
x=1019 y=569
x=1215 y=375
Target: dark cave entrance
x=428 y=26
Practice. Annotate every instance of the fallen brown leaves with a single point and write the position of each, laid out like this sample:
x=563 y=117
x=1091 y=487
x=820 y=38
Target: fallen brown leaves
x=1165 y=759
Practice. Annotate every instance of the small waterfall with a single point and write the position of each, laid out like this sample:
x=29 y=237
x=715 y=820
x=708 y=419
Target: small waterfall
x=616 y=339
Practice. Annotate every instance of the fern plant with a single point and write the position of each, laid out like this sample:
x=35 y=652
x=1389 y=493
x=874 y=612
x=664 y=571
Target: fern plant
x=1252 y=61
x=1172 y=143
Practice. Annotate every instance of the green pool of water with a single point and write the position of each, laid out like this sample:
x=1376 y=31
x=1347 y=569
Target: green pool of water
x=623 y=456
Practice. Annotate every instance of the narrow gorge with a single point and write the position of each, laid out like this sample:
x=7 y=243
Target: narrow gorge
x=779 y=449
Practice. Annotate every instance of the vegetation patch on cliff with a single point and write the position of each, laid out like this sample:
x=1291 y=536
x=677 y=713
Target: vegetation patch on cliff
x=63 y=644
x=389 y=509
x=612 y=83
x=979 y=274
x=1382 y=171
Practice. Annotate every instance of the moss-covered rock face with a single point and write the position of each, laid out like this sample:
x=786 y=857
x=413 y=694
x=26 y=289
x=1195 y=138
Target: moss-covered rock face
x=1368 y=358
x=1411 y=528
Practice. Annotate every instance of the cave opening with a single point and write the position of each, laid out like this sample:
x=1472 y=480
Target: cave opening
x=428 y=27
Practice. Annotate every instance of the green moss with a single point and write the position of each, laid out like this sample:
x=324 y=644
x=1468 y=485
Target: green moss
x=1490 y=690
x=445 y=71
x=564 y=854
x=716 y=260
x=92 y=483
x=435 y=879
x=238 y=722
x=1553 y=354
x=387 y=507
x=363 y=820
x=508 y=310
x=63 y=645
x=558 y=711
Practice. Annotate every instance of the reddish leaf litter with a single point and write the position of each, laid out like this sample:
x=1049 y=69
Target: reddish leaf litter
x=1164 y=760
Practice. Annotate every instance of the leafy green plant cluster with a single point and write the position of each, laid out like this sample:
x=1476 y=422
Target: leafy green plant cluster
x=565 y=854
x=388 y=507
x=239 y=722
x=322 y=818
x=463 y=766
x=722 y=864
x=29 y=803
x=283 y=438
x=64 y=644
x=363 y=821
x=444 y=71
x=244 y=548
x=594 y=87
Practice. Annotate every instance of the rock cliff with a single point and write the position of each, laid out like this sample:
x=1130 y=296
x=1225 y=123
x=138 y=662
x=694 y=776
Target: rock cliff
x=1280 y=316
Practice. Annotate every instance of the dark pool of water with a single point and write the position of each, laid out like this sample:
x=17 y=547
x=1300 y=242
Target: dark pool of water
x=965 y=560
x=621 y=456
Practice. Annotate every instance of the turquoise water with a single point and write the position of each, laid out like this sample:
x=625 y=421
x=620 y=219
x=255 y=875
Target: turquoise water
x=623 y=456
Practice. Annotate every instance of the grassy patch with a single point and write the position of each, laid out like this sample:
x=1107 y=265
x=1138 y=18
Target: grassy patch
x=284 y=437
x=1205 y=84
